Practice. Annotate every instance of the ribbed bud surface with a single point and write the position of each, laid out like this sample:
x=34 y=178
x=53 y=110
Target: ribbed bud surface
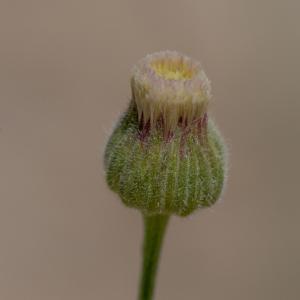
x=164 y=176
x=165 y=155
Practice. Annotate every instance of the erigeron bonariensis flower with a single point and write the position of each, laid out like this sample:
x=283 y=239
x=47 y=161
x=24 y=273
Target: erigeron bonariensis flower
x=165 y=156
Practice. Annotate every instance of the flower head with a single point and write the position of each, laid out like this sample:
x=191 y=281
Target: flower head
x=165 y=155
x=170 y=86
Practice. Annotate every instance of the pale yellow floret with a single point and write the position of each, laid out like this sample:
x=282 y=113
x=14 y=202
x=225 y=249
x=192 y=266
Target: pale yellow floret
x=172 y=86
x=172 y=70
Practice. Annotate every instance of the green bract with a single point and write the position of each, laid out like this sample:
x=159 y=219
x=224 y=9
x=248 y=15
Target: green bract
x=165 y=156
x=160 y=174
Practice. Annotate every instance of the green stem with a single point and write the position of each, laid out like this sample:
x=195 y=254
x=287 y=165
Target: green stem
x=155 y=227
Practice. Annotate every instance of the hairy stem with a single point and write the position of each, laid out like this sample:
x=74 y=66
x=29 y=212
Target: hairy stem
x=155 y=227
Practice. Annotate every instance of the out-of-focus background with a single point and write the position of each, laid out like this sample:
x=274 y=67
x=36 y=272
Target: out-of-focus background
x=64 y=79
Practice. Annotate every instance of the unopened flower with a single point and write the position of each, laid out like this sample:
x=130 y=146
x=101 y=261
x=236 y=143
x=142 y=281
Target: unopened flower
x=165 y=155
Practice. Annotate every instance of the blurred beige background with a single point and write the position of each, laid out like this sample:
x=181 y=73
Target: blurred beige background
x=64 y=79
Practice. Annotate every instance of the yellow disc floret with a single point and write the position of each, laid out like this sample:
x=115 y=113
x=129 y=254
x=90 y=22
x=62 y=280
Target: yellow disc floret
x=170 y=86
x=169 y=69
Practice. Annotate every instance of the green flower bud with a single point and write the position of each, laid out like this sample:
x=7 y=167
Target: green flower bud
x=165 y=155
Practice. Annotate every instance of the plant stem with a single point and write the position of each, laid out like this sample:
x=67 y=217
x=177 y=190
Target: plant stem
x=155 y=227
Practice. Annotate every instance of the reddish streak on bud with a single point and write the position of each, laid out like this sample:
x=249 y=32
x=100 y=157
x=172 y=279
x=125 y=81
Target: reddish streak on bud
x=144 y=129
x=185 y=131
x=202 y=128
x=168 y=136
x=182 y=122
x=200 y=125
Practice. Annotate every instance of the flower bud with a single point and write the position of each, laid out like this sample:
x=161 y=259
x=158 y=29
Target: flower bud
x=165 y=155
